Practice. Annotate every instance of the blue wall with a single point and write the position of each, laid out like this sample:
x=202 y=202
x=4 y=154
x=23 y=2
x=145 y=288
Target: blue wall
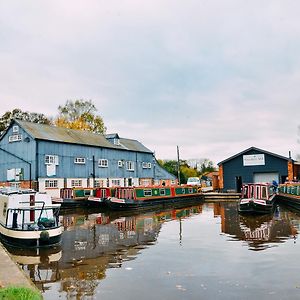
x=24 y=149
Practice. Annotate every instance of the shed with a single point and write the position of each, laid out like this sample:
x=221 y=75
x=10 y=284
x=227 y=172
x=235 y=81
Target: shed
x=253 y=165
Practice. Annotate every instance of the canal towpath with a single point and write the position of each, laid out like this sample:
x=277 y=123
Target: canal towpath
x=10 y=272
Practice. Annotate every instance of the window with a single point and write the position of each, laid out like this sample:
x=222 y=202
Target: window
x=51 y=160
x=15 y=185
x=103 y=163
x=120 y=164
x=146 y=165
x=116 y=141
x=162 y=192
x=79 y=160
x=264 y=192
x=130 y=165
x=99 y=183
x=76 y=183
x=147 y=192
x=115 y=182
x=15 y=129
x=51 y=183
x=15 y=138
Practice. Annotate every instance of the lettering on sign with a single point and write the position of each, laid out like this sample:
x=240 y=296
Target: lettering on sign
x=254 y=160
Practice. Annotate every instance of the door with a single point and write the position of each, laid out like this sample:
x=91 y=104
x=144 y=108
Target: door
x=238 y=183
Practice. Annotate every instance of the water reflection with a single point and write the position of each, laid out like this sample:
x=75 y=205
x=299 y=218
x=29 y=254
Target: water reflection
x=259 y=231
x=94 y=242
x=40 y=264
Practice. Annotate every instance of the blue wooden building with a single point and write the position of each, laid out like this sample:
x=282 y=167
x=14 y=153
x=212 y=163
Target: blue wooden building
x=254 y=165
x=49 y=158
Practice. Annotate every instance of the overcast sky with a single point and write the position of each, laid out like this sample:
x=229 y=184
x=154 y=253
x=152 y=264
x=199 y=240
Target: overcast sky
x=214 y=77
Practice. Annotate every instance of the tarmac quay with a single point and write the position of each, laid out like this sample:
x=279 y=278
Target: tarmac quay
x=10 y=272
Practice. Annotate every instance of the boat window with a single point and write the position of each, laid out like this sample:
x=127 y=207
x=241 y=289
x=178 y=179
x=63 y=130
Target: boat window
x=87 y=192
x=148 y=192
x=190 y=191
x=4 y=208
x=245 y=191
x=162 y=192
x=183 y=190
x=263 y=192
x=257 y=192
x=103 y=193
x=251 y=191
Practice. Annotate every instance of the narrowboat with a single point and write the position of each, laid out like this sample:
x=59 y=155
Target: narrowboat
x=76 y=197
x=29 y=219
x=257 y=198
x=289 y=194
x=147 y=197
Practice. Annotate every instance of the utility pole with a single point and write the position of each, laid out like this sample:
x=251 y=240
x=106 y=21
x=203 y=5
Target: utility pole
x=178 y=165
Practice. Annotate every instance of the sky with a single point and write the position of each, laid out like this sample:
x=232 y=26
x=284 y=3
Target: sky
x=213 y=77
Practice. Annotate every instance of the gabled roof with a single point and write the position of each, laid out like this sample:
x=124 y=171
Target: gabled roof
x=255 y=149
x=71 y=136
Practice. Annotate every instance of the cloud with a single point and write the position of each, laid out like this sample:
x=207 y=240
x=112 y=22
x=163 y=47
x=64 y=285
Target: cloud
x=214 y=77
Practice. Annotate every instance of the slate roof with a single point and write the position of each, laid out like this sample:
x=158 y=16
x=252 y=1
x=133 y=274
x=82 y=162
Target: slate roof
x=65 y=135
x=255 y=149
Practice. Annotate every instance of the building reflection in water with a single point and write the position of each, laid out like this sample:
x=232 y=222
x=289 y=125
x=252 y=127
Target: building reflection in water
x=95 y=242
x=91 y=244
x=259 y=231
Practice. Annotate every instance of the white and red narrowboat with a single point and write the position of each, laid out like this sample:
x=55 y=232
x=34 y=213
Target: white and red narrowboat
x=257 y=198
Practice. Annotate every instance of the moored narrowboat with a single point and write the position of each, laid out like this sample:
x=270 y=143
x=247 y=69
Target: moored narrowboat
x=257 y=198
x=144 y=197
x=29 y=219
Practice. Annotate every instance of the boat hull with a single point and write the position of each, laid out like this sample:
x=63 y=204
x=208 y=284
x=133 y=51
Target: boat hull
x=30 y=238
x=126 y=204
x=256 y=207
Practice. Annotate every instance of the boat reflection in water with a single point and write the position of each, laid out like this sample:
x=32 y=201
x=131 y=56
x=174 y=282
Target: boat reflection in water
x=41 y=264
x=93 y=243
x=260 y=232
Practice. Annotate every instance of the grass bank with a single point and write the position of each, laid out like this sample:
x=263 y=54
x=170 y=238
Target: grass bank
x=19 y=293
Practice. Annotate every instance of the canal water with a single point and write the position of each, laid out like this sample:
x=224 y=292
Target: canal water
x=200 y=252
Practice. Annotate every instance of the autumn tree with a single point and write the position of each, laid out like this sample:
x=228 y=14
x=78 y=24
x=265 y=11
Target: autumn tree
x=18 y=114
x=80 y=114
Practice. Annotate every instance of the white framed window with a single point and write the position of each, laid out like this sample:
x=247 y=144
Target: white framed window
x=162 y=192
x=146 y=165
x=51 y=160
x=116 y=141
x=103 y=163
x=148 y=192
x=130 y=165
x=79 y=160
x=15 y=185
x=15 y=129
x=15 y=138
x=120 y=164
x=115 y=182
x=51 y=183
x=76 y=183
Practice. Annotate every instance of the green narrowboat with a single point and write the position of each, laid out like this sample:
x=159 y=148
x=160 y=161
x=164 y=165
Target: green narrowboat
x=136 y=198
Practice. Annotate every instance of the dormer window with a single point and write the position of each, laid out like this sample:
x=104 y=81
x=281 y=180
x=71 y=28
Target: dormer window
x=116 y=141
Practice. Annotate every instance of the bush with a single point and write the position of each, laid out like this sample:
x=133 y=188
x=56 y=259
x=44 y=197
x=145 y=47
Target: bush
x=19 y=293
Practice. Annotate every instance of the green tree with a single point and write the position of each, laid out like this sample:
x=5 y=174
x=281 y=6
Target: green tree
x=17 y=113
x=206 y=166
x=80 y=114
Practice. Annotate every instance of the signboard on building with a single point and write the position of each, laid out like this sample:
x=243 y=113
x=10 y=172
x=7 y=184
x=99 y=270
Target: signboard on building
x=254 y=160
